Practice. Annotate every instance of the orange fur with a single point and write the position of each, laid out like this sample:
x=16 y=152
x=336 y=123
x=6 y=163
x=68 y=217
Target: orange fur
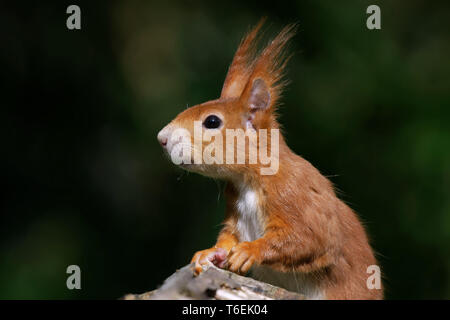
x=306 y=229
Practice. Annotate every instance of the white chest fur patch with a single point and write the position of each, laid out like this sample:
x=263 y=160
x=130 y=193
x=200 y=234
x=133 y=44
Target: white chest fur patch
x=249 y=215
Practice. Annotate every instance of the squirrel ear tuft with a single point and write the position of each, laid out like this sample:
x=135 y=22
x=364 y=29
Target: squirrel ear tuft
x=259 y=98
x=242 y=65
x=265 y=82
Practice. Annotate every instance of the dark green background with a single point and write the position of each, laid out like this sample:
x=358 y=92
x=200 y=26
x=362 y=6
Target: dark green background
x=85 y=181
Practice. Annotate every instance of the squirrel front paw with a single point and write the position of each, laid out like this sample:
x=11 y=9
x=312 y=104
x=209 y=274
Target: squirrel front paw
x=242 y=257
x=215 y=256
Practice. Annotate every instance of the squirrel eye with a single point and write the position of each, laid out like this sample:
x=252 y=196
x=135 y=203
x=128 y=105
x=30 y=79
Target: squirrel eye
x=212 y=122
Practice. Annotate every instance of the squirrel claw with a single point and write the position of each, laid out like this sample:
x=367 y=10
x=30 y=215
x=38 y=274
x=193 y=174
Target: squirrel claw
x=212 y=256
x=241 y=258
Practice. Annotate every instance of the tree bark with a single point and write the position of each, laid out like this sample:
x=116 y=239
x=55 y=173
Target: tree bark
x=214 y=284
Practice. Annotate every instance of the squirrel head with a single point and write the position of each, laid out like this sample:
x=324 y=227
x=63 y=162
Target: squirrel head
x=205 y=138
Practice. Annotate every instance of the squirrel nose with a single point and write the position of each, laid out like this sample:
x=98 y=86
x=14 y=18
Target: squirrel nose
x=162 y=138
x=163 y=141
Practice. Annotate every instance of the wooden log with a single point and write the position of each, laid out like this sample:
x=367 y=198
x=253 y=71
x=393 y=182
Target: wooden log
x=214 y=284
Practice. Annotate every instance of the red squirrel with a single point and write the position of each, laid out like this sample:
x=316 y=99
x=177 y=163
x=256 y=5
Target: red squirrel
x=288 y=227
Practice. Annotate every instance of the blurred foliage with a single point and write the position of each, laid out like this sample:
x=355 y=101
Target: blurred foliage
x=85 y=181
